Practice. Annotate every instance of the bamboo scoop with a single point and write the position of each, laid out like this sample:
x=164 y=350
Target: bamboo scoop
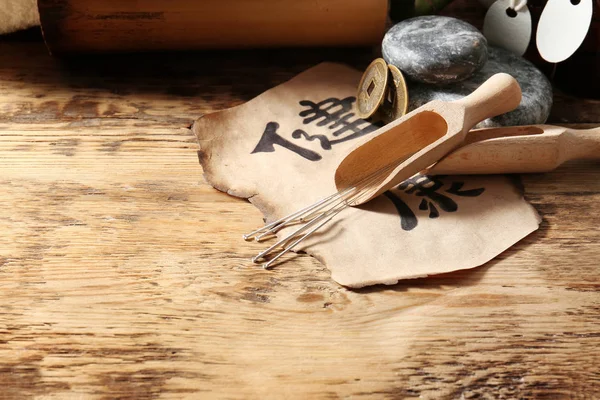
x=519 y=149
x=421 y=138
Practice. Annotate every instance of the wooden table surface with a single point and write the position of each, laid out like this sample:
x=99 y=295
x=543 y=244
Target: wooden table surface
x=123 y=274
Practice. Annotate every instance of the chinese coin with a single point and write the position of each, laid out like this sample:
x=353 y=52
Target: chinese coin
x=395 y=101
x=371 y=89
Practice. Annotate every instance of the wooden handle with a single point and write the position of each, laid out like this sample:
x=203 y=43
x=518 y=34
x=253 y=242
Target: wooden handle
x=583 y=144
x=524 y=149
x=498 y=95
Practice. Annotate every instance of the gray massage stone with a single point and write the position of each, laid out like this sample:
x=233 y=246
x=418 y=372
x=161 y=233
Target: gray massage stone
x=537 y=90
x=435 y=49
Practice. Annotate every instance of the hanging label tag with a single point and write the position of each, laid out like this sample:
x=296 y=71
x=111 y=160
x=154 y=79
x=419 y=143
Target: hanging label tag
x=507 y=28
x=562 y=28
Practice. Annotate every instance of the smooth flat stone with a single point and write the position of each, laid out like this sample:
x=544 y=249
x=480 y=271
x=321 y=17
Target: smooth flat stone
x=537 y=90
x=435 y=49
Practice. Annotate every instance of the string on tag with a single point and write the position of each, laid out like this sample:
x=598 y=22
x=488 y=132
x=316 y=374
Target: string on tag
x=518 y=7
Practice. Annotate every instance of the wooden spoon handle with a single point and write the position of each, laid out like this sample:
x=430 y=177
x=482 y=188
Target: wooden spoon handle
x=498 y=95
x=583 y=144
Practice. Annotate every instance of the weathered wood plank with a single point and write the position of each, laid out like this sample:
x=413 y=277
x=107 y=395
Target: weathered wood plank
x=122 y=273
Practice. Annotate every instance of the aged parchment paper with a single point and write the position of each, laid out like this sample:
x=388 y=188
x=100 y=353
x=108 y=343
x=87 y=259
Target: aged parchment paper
x=280 y=151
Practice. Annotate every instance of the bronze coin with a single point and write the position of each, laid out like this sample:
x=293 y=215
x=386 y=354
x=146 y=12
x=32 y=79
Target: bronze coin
x=395 y=101
x=371 y=88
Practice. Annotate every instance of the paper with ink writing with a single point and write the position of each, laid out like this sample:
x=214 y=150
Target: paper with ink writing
x=281 y=150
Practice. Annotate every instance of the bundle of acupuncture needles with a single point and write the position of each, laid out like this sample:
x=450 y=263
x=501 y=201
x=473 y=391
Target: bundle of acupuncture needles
x=314 y=217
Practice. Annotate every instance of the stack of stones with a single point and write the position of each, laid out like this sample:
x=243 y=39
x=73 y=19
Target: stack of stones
x=446 y=59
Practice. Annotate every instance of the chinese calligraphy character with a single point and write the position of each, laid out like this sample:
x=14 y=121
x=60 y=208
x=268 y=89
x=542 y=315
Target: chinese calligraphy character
x=428 y=187
x=408 y=219
x=335 y=114
x=270 y=138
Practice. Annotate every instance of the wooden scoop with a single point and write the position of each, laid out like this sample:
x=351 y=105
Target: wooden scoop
x=416 y=141
x=519 y=149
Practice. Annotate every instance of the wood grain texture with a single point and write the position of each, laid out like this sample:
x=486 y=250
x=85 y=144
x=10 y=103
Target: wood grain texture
x=123 y=274
x=119 y=26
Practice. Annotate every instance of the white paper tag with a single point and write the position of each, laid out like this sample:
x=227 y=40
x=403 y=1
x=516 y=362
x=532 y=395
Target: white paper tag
x=562 y=28
x=507 y=28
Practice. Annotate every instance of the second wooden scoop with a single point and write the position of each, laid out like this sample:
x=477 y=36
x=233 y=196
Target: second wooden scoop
x=519 y=149
x=416 y=141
